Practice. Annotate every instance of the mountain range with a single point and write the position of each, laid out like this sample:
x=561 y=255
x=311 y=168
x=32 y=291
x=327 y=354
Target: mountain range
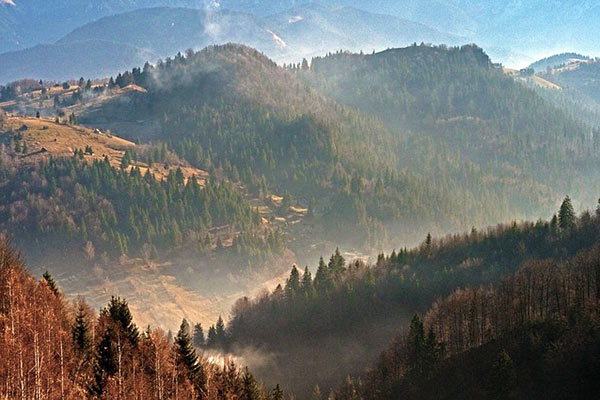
x=512 y=33
x=121 y=41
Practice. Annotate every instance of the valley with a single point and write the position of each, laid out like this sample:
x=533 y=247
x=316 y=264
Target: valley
x=284 y=201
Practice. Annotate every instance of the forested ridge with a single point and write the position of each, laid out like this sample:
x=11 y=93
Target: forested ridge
x=352 y=305
x=465 y=123
x=407 y=140
x=537 y=334
x=232 y=109
x=53 y=349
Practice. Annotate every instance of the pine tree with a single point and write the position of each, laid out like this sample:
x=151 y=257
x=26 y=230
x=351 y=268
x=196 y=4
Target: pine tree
x=105 y=365
x=502 y=376
x=126 y=160
x=118 y=310
x=250 y=390
x=428 y=241
x=306 y=286
x=187 y=358
x=80 y=331
x=292 y=286
x=220 y=333
x=323 y=281
x=277 y=393
x=211 y=338
x=416 y=346
x=554 y=224
x=198 y=338
x=566 y=215
x=336 y=265
x=51 y=283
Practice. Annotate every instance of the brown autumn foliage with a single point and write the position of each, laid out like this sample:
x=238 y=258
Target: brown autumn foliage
x=542 y=322
x=51 y=349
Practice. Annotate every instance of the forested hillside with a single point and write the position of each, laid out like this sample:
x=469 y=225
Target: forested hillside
x=355 y=309
x=431 y=138
x=582 y=76
x=69 y=202
x=537 y=334
x=54 y=349
x=232 y=109
x=465 y=123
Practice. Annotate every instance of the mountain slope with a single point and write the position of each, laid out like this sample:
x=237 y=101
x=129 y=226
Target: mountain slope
x=168 y=30
x=511 y=341
x=513 y=32
x=70 y=60
x=456 y=102
x=583 y=76
x=312 y=29
x=29 y=23
x=557 y=60
x=229 y=106
x=355 y=310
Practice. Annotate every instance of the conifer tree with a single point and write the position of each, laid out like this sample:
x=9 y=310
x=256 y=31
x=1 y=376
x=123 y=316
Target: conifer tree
x=105 y=365
x=277 y=393
x=187 y=358
x=292 y=287
x=211 y=338
x=80 y=331
x=502 y=376
x=336 y=265
x=416 y=345
x=428 y=240
x=118 y=310
x=250 y=390
x=323 y=281
x=566 y=215
x=306 y=286
x=220 y=333
x=198 y=338
x=51 y=283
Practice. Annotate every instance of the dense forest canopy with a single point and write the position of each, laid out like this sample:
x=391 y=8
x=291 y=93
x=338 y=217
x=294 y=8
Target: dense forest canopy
x=381 y=146
x=351 y=305
x=536 y=334
x=466 y=123
x=74 y=204
x=231 y=108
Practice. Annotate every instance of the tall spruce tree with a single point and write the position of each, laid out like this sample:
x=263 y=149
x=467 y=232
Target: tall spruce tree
x=198 y=338
x=250 y=390
x=306 y=285
x=566 y=215
x=211 y=338
x=118 y=310
x=187 y=358
x=292 y=286
x=105 y=364
x=323 y=282
x=220 y=333
x=81 y=332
